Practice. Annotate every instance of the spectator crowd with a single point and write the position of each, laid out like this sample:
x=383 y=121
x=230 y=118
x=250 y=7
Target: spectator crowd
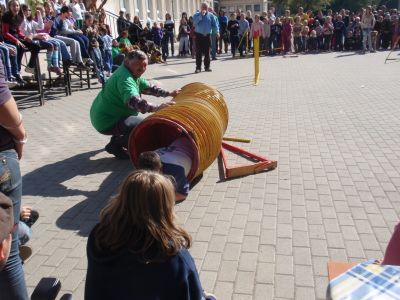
x=72 y=35
x=138 y=225
x=365 y=30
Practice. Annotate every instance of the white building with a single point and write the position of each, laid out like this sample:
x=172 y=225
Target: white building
x=256 y=7
x=154 y=9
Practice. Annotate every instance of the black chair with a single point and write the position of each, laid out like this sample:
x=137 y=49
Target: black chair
x=48 y=289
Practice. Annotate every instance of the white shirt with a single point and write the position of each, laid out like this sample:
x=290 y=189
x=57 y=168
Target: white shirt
x=178 y=153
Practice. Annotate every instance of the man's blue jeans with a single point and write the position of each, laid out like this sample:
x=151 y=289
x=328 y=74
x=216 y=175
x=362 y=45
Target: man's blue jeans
x=121 y=131
x=213 y=46
x=10 y=62
x=367 y=35
x=24 y=233
x=12 y=280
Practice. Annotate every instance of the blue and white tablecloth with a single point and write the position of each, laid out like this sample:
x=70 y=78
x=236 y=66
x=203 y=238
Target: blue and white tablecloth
x=367 y=281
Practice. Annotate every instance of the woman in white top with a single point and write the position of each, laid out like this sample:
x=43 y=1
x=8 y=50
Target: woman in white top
x=30 y=27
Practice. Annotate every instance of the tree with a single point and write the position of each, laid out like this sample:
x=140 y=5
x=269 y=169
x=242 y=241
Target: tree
x=354 y=5
x=293 y=5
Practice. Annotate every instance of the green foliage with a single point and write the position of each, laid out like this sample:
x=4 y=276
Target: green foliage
x=33 y=3
x=313 y=5
x=353 y=5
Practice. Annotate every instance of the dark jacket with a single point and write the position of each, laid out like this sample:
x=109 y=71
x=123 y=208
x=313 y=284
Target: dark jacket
x=124 y=275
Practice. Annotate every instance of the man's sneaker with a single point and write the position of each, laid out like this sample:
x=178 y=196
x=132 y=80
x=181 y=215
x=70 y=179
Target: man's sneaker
x=30 y=70
x=117 y=151
x=210 y=296
x=81 y=66
x=11 y=84
x=207 y=70
x=88 y=61
x=25 y=252
x=67 y=63
x=32 y=219
x=197 y=71
x=20 y=81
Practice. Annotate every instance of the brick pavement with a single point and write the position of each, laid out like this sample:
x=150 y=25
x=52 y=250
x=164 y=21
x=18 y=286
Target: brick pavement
x=331 y=122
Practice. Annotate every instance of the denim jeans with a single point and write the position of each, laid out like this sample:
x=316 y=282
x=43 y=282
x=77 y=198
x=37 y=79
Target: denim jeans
x=24 y=233
x=213 y=46
x=107 y=60
x=74 y=46
x=170 y=39
x=367 y=34
x=96 y=56
x=121 y=131
x=12 y=280
x=62 y=49
x=298 y=44
x=5 y=57
x=83 y=43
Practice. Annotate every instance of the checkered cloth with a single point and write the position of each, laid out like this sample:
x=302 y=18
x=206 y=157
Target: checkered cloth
x=367 y=281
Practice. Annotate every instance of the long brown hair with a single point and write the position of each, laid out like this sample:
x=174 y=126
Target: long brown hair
x=141 y=218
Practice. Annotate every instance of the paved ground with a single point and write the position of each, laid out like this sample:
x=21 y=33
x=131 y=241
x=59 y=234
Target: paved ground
x=332 y=121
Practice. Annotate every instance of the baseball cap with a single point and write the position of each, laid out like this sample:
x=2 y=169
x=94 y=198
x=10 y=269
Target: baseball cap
x=6 y=216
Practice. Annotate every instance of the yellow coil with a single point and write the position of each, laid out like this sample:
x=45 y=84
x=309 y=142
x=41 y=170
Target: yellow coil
x=201 y=110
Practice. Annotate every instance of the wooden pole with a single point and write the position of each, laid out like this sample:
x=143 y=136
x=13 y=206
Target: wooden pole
x=256 y=51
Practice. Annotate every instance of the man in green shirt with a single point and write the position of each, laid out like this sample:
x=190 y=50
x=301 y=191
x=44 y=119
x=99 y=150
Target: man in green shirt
x=115 y=110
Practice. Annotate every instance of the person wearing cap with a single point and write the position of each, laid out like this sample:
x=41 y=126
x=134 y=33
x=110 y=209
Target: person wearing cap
x=6 y=228
x=12 y=140
x=115 y=109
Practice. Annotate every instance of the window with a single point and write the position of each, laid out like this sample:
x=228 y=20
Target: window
x=124 y=5
x=248 y=7
x=138 y=8
x=159 y=11
x=149 y=8
x=257 y=7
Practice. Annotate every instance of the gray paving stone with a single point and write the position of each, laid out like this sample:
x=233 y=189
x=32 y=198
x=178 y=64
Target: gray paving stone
x=334 y=196
x=244 y=282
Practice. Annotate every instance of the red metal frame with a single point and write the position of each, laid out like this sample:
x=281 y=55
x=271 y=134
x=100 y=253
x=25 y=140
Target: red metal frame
x=245 y=169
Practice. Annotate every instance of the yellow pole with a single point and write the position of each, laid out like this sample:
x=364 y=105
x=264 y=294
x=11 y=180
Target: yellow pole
x=233 y=139
x=256 y=52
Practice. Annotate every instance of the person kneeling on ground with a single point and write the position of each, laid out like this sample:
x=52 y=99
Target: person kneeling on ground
x=174 y=161
x=115 y=110
x=137 y=250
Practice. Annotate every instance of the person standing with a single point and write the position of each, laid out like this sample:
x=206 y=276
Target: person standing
x=12 y=140
x=205 y=23
x=169 y=32
x=233 y=27
x=244 y=28
x=223 y=32
x=214 y=38
x=367 y=24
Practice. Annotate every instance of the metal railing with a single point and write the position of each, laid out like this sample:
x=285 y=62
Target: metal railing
x=111 y=20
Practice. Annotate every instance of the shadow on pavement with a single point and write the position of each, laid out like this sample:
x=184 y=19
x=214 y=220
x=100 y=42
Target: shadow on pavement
x=173 y=76
x=83 y=171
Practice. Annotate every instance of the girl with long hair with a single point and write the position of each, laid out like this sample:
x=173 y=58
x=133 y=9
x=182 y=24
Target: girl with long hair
x=12 y=19
x=30 y=28
x=137 y=251
x=169 y=27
